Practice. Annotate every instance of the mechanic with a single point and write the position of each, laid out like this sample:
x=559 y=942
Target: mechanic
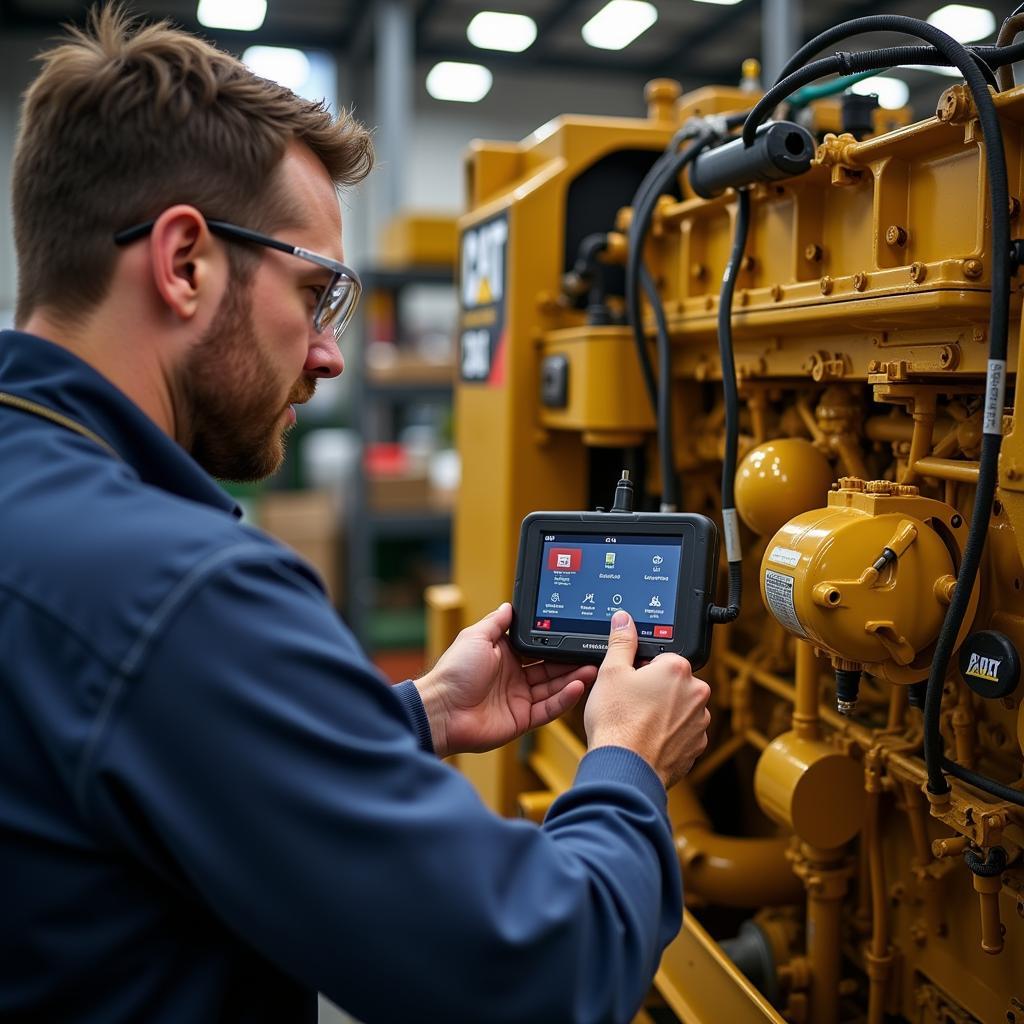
x=211 y=806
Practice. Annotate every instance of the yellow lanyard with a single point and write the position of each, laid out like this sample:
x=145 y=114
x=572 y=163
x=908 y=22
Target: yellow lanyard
x=55 y=417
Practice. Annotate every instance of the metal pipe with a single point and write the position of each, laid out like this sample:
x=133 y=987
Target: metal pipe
x=913 y=801
x=806 y=720
x=959 y=471
x=921 y=440
x=988 y=889
x=727 y=870
x=825 y=878
x=964 y=733
x=878 y=958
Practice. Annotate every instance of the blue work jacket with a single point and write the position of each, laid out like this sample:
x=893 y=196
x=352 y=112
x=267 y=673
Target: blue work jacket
x=212 y=806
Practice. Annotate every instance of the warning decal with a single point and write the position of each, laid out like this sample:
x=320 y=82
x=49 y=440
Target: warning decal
x=778 y=592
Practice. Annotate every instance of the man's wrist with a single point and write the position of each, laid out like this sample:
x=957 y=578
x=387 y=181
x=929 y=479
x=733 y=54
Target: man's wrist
x=437 y=713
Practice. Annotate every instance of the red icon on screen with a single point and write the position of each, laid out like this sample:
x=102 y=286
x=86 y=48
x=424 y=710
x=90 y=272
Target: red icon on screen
x=543 y=624
x=565 y=559
x=663 y=632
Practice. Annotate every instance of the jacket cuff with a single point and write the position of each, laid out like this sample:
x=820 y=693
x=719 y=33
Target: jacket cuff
x=409 y=697
x=617 y=764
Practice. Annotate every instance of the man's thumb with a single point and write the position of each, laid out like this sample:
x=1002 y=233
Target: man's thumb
x=621 y=640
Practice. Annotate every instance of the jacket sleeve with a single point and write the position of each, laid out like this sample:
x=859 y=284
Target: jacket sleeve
x=255 y=761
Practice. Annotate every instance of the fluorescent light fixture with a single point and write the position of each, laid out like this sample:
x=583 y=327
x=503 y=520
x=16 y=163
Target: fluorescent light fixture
x=240 y=15
x=965 y=24
x=280 y=64
x=892 y=93
x=618 y=23
x=493 y=30
x=723 y=3
x=458 y=82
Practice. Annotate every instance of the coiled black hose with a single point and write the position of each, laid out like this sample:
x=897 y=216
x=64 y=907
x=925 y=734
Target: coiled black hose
x=993 y=864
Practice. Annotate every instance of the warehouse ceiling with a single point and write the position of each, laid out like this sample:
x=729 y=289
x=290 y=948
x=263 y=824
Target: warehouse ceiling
x=694 y=42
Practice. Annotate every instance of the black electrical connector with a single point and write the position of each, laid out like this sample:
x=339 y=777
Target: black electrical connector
x=623 y=494
x=847 y=690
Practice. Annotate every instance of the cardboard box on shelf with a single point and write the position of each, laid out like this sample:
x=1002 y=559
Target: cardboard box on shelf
x=399 y=492
x=309 y=522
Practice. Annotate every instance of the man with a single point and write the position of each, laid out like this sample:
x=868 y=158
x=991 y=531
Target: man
x=210 y=805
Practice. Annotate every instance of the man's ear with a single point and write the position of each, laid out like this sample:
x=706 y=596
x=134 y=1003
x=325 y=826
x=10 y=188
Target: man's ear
x=189 y=268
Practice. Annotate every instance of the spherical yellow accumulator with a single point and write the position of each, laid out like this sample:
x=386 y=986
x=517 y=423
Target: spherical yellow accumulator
x=778 y=480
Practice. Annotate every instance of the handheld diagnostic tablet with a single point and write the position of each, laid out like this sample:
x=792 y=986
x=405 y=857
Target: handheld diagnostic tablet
x=576 y=569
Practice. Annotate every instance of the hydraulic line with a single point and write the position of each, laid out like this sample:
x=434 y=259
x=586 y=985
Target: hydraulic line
x=970 y=65
x=666 y=169
x=666 y=437
x=730 y=521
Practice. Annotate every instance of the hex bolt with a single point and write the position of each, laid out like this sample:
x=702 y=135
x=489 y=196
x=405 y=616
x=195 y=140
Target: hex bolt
x=747 y=263
x=896 y=235
x=813 y=253
x=826 y=284
x=918 y=272
x=776 y=293
x=860 y=281
x=973 y=268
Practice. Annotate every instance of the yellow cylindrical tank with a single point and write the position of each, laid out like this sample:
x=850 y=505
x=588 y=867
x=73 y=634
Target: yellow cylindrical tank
x=778 y=480
x=866 y=579
x=813 y=789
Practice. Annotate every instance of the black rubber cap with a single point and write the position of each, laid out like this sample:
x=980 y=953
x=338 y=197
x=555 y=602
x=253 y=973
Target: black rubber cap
x=990 y=664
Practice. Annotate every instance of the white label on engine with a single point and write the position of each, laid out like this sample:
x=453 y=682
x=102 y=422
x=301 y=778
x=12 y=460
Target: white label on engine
x=778 y=592
x=784 y=556
x=995 y=396
x=731 y=527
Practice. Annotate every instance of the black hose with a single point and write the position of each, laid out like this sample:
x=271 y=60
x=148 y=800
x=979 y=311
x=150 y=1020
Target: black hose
x=665 y=170
x=984 y=783
x=666 y=436
x=730 y=522
x=999 y=196
x=993 y=864
x=874 y=23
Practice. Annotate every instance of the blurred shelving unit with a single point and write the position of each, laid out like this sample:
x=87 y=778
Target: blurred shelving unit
x=398 y=525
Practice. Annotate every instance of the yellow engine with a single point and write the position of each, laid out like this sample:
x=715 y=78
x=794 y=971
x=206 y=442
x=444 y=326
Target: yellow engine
x=826 y=880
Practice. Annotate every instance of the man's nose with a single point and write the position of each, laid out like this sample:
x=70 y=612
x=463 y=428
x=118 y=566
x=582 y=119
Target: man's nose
x=324 y=358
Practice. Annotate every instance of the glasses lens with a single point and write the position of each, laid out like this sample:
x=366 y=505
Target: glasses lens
x=337 y=305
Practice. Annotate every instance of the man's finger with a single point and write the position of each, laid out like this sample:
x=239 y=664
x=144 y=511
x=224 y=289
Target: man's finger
x=545 y=688
x=548 y=710
x=495 y=625
x=622 y=641
x=543 y=671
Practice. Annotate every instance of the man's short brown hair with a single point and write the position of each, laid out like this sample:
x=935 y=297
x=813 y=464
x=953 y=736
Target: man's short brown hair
x=127 y=119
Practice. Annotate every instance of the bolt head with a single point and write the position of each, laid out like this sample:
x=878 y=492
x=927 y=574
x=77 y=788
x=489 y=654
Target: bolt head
x=826 y=285
x=896 y=235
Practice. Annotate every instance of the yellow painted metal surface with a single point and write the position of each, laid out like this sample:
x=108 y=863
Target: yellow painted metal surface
x=860 y=336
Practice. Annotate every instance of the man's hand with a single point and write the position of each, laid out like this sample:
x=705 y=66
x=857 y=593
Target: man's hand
x=658 y=711
x=478 y=696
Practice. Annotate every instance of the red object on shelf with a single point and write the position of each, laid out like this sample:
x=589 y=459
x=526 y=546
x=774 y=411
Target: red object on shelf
x=386 y=459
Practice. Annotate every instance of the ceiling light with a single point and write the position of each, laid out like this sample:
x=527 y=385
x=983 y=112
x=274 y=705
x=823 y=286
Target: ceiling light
x=722 y=2
x=618 y=23
x=965 y=24
x=240 y=15
x=461 y=83
x=892 y=93
x=280 y=64
x=492 y=30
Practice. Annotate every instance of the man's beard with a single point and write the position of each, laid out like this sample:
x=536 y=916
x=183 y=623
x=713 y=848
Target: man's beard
x=232 y=399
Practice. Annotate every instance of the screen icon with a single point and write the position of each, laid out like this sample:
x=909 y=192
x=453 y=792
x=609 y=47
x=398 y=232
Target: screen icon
x=657 y=559
x=616 y=599
x=589 y=599
x=609 y=559
x=555 y=599
x=663 y=632
x=564 y=559
x=655 y=602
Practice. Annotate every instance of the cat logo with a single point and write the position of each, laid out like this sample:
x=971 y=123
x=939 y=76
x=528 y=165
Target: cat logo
x=984 y=668
x=483 y=264
x=483 y=258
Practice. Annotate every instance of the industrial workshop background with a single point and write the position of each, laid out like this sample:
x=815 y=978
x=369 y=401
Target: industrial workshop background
x=834 y=320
